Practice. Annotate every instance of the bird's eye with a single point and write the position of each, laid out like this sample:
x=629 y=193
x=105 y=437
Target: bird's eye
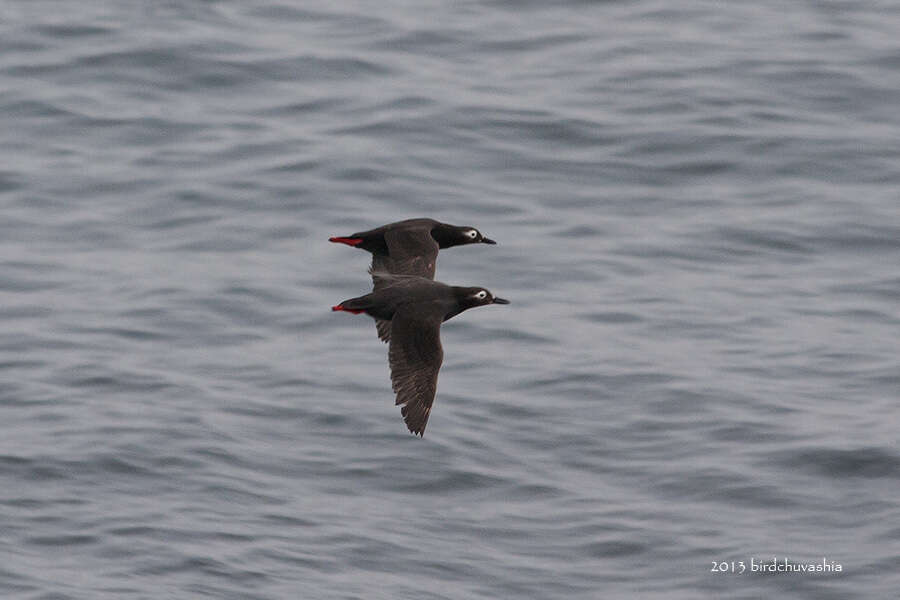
x=481 y=295
x=472 y=233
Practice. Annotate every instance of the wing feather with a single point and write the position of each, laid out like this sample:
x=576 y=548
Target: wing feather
x=415 y=357
x=384 y=330
x=410 y=252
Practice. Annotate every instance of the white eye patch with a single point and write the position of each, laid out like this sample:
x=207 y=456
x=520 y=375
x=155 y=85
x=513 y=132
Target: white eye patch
x=472 y=233
x=481 y=295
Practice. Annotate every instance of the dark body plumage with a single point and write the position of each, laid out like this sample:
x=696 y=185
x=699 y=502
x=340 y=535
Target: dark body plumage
x=415 y=307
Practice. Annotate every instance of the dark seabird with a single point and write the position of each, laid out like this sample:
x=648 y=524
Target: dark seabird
x=415 y=307
x=411 y=247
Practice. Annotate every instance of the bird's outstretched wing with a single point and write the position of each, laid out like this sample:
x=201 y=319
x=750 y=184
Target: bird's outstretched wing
x=415 y=358
x=410 y=252
x=381 y=280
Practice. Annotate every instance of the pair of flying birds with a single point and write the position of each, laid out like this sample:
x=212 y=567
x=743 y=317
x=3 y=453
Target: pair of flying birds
x=409 y=306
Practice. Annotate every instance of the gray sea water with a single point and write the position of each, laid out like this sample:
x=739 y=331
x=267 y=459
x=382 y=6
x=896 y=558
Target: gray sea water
x=698 y=219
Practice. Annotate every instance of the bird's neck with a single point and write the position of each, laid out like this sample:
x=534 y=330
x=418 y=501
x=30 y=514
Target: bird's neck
x=444 y=235
x=460 y=295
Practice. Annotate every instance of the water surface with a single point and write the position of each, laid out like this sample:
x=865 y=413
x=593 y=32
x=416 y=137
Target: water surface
x=699 y=229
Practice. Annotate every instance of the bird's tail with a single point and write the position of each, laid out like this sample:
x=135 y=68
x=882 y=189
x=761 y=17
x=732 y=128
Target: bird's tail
x=355 y=305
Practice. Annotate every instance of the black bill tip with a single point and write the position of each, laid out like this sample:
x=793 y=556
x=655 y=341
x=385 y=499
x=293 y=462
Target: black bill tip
x=488 y=241
x=501 y=301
